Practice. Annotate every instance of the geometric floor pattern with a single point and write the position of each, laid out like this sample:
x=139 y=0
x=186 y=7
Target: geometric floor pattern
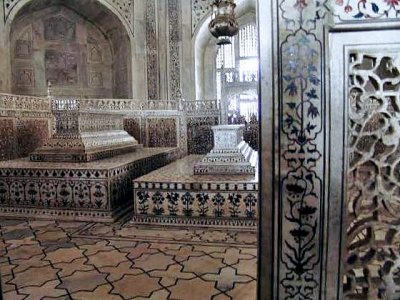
x=80 y=260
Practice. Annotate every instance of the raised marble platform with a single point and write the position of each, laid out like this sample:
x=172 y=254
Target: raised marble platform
x=231 y=155
x=174 y=195
x=99 y=191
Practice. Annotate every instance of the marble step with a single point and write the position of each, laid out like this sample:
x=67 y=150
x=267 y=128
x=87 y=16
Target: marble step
x=254 y=158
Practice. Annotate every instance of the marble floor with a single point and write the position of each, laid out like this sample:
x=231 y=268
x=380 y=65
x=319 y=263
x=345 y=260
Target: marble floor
x=78 y=260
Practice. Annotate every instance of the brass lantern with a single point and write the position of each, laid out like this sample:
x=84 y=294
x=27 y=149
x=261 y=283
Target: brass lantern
x=223 y=22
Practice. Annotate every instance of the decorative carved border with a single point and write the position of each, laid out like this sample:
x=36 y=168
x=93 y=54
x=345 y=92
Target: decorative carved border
x=174 y=43
x=153 y=77
x=125 y=9
x=200 y=8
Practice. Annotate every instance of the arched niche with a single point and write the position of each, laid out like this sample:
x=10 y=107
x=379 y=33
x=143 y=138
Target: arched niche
x=205 y=49
x=81 y=47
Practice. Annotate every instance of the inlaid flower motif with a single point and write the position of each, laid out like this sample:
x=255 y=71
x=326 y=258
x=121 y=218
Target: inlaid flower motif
x=392 y=2
x=300 y=4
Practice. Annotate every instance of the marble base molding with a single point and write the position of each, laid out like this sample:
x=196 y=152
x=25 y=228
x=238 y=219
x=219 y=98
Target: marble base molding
x=98 y=191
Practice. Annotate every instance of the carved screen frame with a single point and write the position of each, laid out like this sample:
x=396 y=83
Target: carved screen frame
x=341 y=45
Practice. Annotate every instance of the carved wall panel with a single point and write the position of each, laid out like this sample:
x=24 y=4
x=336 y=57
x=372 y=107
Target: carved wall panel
x=24 y=77
x=23 y=48
x=57 y=45
x=23 y=45
x=373 y=181
x=7 y=139
x=162 y=132
x=200 y=136
x=175 y=35
x=31 y=134
x=124 y=8
x=94 y=52
x=59 y=28
x=61 y=68
x=200 y=8
x=96 y=79
x=153 y=77
x=132 y=126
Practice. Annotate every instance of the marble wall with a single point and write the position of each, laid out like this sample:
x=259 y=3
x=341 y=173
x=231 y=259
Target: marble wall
x=304 y=171
x=56 y=45
x=21 y=136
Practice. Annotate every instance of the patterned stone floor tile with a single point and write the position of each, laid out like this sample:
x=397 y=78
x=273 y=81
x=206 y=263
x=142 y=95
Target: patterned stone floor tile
x=12 y=244
x=222 y=297
x=251 y=251
x=92 y=249
x=50 y=246
x=79 y=241
x=6 y=285
x=101 y=230
x=247 y=267
x=64 y=255
x=163 y=247
x=17 y=234
x=35 y=276
x=116 y=273
x=157 y=295
x=10 y=225
x=157 y=261
x=244 y=291
x=42 y=223
x=246 y=238
x=34 y=261
x=78 y=260
x=25 y=252
x=183 y=253
x=214 y=236
x=71 y=227
x=83 y=281
x=122 y=244
x=209 y=249
x=100 y=293
x=226 y=278
x=139 y=250
x=232 y=256
x=107 y=258
x=203 y=265
x=170 y=276
x=6 y=268
x=79 y=264
x=13 y=295
x=131 y=286
x=46 y=290
x=193 y=289
x=51 y=235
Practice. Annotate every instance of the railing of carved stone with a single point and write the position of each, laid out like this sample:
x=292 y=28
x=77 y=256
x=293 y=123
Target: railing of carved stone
x=46 y=104
x=201 y=107
x=189 y=119
x=117 y=105
x=19 y=103
x=127 y=104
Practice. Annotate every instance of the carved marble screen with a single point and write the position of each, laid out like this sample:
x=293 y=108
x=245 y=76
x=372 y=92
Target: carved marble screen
x=365 y=186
